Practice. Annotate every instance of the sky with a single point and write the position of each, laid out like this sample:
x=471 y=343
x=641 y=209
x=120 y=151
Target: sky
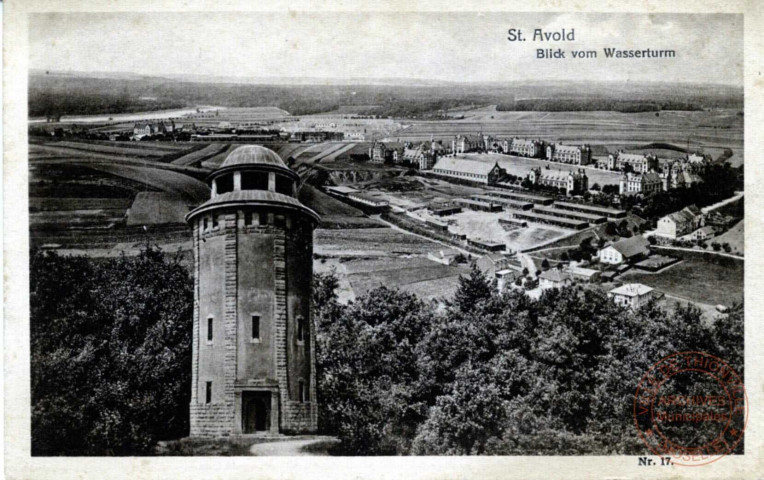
x=453 y=46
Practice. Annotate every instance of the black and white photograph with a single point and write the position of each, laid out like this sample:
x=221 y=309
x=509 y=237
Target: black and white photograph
x=391 y=233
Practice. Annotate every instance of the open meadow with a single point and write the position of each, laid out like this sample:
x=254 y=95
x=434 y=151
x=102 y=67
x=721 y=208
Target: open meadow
x=700 y=278
x=417 y=275
x=735 y=236
x=370 y=242
x=712 y=129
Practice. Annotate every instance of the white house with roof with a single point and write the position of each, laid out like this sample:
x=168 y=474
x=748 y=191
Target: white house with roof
x=632 y=295
x=446 y=256
x=583 y=274
x=626 y=250
x=680 y=223
x=554 y=278
x=704 y=233
x=491 y=263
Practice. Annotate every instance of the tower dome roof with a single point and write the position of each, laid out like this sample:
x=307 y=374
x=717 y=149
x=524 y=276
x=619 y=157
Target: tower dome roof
x=253 y=155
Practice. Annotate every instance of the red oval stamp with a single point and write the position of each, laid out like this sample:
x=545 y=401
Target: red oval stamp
x=692 y=407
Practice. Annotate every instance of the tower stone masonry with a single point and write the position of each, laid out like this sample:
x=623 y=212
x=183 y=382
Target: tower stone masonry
x=253 y=362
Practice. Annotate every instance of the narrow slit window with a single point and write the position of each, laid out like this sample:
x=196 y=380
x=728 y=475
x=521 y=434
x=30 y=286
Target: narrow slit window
x=214 y=221
x=209 y=329
x=255 y=327
x=300 y=329
x=247 y=218
x=302 y=394
x=208 y=394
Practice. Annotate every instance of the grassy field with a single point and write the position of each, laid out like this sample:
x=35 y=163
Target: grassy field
x=166 y=181
x=717 y=127
x=697 y=279
x=424 y=277
x=333 y=212
x=735 y=236
x=63 y=155
x=122 y=149
x=194 y=159
x=370 y=242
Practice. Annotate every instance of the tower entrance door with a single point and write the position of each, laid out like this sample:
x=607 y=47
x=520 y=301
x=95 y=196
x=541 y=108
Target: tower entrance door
x=256 y=412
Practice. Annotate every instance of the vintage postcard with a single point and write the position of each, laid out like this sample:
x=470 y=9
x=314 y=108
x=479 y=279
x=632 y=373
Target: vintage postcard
x=420 y=240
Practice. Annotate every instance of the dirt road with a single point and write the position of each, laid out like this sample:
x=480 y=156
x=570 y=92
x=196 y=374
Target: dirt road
x=291 y=448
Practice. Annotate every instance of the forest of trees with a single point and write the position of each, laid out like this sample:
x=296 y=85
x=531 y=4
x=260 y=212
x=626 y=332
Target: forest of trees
x=489 y=374
x=496 y=374
x=110 y=352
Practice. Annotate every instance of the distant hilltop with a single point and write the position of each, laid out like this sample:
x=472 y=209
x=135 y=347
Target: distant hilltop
x=387 y=81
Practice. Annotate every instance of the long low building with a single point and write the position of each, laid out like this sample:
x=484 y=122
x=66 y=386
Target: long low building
x=445 y=210
x=534 y=217
x=523 y=197
x=341 y=190
x=471 y=170
x=486 y=245
x=506 y=202
x=479 y=205
x=572 y=214
x=610 y=213
x=369 y=199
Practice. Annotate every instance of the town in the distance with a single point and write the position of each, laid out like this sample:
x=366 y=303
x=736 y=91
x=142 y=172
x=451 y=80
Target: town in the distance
x=639 y=205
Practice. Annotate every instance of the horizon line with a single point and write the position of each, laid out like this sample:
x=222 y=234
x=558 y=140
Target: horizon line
x=264 y=79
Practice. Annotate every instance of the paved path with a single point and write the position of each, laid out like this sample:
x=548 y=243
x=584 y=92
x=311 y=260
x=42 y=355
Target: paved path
x=695 y=250
x=292 y=448
x=734 y=198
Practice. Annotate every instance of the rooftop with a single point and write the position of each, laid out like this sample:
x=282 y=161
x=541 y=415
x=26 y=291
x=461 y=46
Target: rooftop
x=629 y=247
x=464 y=165
x=252 y=197
x=553 y=275
x=253 y=155
x=631 y=290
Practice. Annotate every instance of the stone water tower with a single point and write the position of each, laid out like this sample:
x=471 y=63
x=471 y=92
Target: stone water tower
x=253 y=363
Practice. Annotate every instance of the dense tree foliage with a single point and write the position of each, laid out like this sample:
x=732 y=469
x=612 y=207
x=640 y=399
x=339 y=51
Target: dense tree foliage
x=110 y=353
x=498 y=374
x=486 y=374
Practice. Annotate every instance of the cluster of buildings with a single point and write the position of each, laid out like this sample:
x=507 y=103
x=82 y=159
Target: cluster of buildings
x=524 y=208
x=506 y=269
x=646 y=174
x=143 y=129
x=571 y=182
x=524 y=147
x=684 y=222
x=422 y=155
